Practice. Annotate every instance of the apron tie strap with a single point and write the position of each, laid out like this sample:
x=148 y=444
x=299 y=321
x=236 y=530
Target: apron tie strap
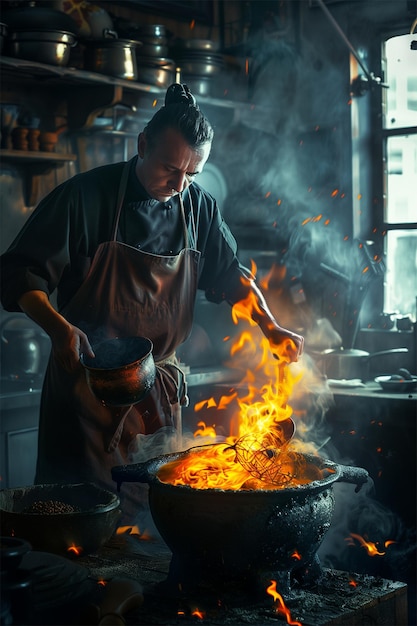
x=166 y=379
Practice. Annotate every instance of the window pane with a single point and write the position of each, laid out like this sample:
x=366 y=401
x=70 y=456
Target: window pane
x=401 y=203
x=401 y=76
x=401 y=275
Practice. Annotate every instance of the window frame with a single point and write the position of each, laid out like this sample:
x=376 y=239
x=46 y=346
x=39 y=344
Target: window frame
x=381 y=136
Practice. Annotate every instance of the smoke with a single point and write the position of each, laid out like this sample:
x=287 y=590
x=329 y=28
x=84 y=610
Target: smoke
x=362 y=515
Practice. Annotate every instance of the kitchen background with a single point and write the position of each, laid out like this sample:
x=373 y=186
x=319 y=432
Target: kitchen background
x=306 y=162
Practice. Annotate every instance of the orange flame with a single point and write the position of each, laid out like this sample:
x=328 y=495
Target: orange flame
x=281 y=609
x=371 y=547
x=198 y=613
x=77 y=550
x=133 y=531
x=256 y=453
x=205 y=431
x=211 y=402
x=128 y=530
x=296 y=555
x=353 y=583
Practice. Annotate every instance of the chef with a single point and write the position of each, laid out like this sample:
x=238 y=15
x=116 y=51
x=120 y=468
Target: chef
x=125 y=247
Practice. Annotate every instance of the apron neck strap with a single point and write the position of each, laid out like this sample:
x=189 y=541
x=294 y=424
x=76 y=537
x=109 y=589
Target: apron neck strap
x=119 y=204
x=120 y=196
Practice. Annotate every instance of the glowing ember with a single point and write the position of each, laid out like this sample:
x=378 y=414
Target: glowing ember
x=133 y=531
x=128 y=530
x=77 y=550
x=281 y=609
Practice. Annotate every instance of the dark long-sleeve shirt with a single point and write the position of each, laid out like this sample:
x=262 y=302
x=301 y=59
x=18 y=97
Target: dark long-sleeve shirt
x=54 y=249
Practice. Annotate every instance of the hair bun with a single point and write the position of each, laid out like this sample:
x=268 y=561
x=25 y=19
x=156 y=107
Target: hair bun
x=179 y=94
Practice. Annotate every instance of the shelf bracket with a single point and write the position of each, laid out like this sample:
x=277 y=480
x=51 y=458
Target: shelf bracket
x=86 y=102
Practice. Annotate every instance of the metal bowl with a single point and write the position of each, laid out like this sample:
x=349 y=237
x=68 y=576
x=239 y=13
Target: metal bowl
x=396 y=384
x=86 y=519
x=123 y=370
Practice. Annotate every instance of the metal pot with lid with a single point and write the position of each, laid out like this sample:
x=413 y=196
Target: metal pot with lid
x=24 y=348
x=112 y=56
x=346 y=364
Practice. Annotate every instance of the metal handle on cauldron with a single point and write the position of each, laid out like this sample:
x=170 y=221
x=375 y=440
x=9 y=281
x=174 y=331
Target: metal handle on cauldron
x=135 y=473
x=355 y=475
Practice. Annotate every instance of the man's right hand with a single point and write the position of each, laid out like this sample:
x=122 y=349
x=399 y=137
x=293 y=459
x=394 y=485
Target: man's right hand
x=67 y=346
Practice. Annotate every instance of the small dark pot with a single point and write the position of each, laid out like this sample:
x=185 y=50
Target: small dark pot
x=122 y=372
x=235 y=534
x=89 y=526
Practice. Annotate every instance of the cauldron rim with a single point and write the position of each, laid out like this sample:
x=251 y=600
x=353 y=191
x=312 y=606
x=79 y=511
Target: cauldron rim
x=147 y=473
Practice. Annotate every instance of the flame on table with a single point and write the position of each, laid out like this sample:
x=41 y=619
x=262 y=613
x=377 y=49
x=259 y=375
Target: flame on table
x=281 y=608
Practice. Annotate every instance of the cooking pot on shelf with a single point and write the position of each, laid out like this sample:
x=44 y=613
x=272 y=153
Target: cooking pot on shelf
x=341 y=364
x=112 y=56
x=227 y=534
x=24 y=347
x=123 y=370
x=156 y=71
x=45 y=46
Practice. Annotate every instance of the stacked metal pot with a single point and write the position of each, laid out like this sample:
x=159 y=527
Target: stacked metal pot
x=39 y=34
x=200 y=63
x=154 y=65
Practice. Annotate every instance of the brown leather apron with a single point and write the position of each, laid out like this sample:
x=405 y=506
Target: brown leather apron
x=127 y=292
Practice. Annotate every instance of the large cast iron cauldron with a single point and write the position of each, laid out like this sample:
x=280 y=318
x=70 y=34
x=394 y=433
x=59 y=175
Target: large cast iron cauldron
x=246 y=534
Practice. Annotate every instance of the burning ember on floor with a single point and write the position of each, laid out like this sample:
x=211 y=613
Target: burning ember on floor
x=75 y=550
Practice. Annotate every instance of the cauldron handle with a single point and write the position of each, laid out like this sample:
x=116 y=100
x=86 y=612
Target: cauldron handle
x=134 y=473
x=356 y=475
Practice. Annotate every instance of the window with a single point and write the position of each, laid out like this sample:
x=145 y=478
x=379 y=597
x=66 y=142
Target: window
x=400 y=174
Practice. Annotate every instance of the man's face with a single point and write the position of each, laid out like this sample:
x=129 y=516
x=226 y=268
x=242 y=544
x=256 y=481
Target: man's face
x=169 y=166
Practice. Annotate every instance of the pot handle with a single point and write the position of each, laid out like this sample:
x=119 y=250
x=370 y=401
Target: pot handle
x=108 y=33
x=387 y=352
x=355 y=475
